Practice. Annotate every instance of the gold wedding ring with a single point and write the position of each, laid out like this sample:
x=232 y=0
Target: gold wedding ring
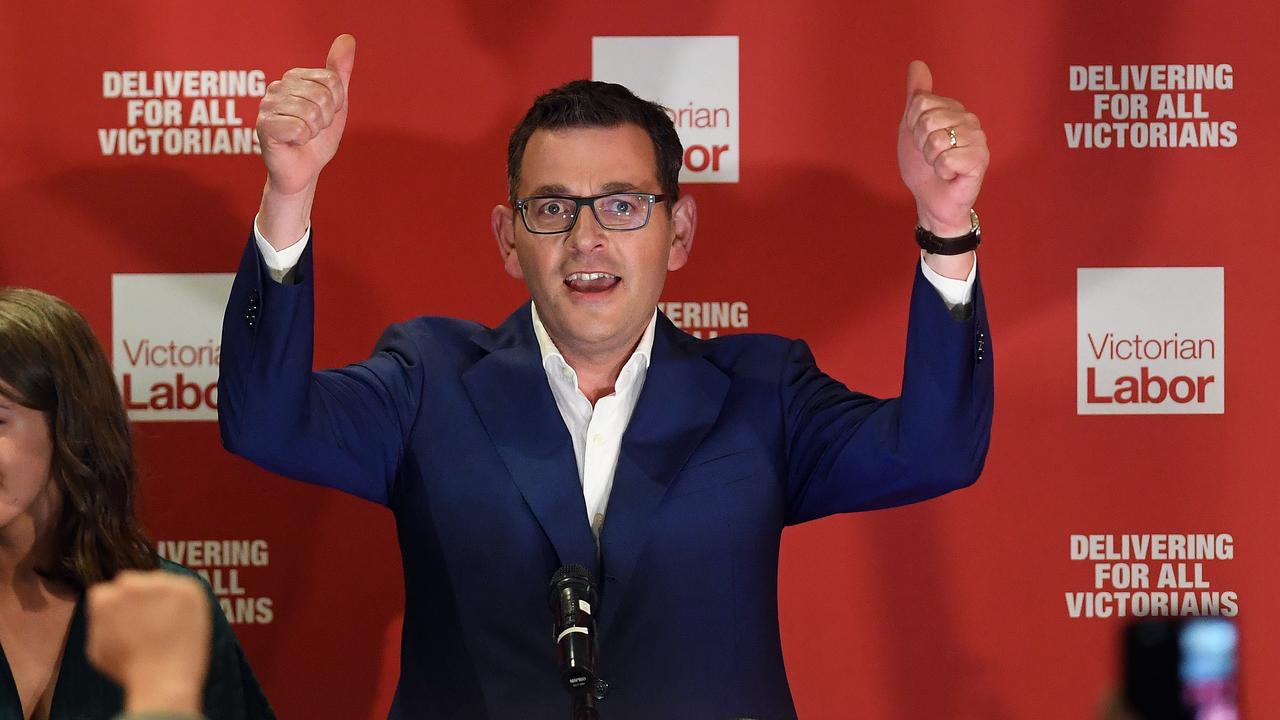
x=951 y=136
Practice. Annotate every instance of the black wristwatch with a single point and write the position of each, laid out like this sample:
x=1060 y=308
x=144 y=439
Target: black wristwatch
x=935 y=245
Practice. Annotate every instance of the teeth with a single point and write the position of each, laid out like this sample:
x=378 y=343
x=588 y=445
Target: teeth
x=589 y=276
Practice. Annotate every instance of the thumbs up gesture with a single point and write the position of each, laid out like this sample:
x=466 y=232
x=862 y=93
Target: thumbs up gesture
x=942 y=155
x=301 y=118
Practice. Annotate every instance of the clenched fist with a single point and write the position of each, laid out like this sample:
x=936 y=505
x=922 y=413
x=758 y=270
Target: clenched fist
x=942 y=155
x=150 y=633
x=300 y=123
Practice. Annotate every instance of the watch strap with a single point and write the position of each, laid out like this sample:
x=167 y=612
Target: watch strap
x=935 y=245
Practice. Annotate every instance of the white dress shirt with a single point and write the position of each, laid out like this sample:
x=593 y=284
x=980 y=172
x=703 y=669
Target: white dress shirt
x=596 y=431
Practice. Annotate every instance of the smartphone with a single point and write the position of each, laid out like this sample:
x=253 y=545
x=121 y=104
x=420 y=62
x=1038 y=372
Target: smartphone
x=1182 y=669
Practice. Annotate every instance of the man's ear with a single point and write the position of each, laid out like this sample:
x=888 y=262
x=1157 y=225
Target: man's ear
x=502 y=221
x=684 y=221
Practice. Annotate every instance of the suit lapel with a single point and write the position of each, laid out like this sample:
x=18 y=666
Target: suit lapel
x=681 y=399
x=509 y=390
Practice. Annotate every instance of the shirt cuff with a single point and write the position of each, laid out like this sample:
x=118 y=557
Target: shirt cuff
x=280 y=262
x=953 y=292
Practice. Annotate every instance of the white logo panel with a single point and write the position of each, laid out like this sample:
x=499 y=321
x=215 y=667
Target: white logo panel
x=696 y=79
x=1149 y=340
x=166 y=343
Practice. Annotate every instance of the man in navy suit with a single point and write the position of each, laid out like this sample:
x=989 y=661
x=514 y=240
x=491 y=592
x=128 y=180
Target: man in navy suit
x=588 y=429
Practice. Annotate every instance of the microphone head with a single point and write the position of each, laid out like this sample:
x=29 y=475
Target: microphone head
x=571 y=572
x=572 y=576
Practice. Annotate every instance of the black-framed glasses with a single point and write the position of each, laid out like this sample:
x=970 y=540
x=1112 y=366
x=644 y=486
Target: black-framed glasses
x=554 y=214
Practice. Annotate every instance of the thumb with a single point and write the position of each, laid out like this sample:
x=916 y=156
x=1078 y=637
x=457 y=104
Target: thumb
x=342 y=57
x=919 y=79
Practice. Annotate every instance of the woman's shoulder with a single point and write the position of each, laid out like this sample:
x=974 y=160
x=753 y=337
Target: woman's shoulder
x=170 y=566
x=232 y=690
x=176 y=568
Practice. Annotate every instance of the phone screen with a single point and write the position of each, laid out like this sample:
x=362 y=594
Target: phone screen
x=1207 y=667
x=1184 y=669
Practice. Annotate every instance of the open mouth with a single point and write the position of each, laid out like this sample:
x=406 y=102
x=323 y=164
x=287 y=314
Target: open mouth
x=591 y=282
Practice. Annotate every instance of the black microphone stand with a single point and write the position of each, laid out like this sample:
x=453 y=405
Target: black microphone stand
x=584 y=707
x=584 y=700
x=571 y=597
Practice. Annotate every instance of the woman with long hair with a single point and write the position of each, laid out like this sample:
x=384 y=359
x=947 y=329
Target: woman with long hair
x=67 y=520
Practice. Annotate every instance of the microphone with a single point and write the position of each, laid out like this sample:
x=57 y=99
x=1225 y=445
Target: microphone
x=572 y=598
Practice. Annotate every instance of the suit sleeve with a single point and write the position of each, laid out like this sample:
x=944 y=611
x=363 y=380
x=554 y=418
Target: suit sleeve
x=847 y=451
x=343 y=428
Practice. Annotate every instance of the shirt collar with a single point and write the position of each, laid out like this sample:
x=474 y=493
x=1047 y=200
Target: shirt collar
x=551 y=354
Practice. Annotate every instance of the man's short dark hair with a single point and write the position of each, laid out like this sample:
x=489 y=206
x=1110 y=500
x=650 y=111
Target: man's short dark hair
x=593 y=104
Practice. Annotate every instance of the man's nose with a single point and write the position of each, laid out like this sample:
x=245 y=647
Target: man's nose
x=587 y=233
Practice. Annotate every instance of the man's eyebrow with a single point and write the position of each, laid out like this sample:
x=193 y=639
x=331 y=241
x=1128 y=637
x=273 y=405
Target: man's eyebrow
x=553 y=189
x=618 y=187
x=609 y=187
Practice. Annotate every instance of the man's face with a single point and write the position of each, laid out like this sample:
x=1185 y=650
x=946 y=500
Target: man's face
x=584 y=314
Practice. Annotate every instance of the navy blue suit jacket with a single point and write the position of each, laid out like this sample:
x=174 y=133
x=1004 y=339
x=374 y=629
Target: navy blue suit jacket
x=453 y=426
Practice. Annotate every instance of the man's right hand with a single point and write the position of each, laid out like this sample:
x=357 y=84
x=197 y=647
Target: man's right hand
x=300 y=124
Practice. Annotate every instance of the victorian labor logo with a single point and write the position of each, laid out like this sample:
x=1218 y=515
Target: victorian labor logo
x=1149 y=340
x=165 y=346
x=696 y=79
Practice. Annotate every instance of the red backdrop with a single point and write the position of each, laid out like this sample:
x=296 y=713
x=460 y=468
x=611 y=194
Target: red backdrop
x=954 y=608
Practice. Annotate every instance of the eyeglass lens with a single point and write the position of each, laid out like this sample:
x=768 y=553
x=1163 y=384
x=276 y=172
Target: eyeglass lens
x=622 y=211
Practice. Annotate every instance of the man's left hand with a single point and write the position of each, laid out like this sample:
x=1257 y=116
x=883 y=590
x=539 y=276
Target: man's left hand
x=944 y=174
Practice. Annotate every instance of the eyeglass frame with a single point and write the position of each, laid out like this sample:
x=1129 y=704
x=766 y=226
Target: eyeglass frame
x=590 y=201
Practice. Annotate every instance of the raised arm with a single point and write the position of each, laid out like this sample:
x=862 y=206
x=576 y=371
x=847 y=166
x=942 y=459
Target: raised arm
x=848 y=451
x=342 y=428
x=300 y=124
x=942 y=157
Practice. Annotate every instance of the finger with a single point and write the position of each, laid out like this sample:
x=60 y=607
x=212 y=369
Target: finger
x=962 y=162
x=919 y=80
x=298 y=78
x=342 y=58
x=283 y=130
x=315 y=94
x=102 y=594
x=300 y=108
x=131 y=578
x=925 y=102
x=947 y=136
x=939 y=119
x=940 y=141
x=98 y=600
x=319 y=113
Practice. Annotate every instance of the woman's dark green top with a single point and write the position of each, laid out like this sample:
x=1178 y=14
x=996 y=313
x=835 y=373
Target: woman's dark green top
x=231 y=691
